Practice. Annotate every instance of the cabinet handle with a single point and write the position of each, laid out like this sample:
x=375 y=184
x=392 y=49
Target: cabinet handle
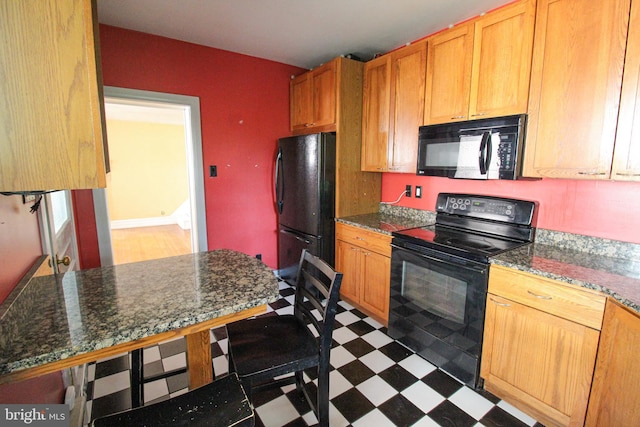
x=539 y=296
x=308 y=125
x=592 y=173
x=501 y=304
x=478 y=114
x=627 y=174
x=360 y=238
x=366 y=253
x=457 y=117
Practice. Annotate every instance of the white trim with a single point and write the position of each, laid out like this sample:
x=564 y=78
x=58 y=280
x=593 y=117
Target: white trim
x=143 y=222
x=102 y=226
x=191 y=108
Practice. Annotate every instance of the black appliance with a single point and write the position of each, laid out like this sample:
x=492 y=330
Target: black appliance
x=439 y=277
x=476 y=149
x=305 y=169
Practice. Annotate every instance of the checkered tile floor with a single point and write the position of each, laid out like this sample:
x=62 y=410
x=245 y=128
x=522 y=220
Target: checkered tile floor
x=374 y=382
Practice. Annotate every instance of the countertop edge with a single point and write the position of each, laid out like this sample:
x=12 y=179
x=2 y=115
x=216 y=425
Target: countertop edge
x=368 y=222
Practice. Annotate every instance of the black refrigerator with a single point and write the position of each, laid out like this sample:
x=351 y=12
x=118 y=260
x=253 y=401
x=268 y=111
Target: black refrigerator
x=305 y=178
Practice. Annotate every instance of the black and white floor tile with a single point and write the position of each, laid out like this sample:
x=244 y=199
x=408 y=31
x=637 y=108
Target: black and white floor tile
x=374 y=382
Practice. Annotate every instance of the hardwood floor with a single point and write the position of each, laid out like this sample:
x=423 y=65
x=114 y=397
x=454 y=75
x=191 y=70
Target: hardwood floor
x=145 y=243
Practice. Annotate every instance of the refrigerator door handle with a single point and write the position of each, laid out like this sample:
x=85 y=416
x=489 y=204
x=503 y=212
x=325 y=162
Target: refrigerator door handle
x=302 y=239
x=279 y=182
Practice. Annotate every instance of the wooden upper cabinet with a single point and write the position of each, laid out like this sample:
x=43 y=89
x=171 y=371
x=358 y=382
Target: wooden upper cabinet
x=448 y=81
x=375 y=114
x=408 y=67
x=393 y=105
x=51 y=122
x=301 y=98
x=626 y=155
x=481 y=68
x=502 y=48
x=576 y=77
x=313 y=100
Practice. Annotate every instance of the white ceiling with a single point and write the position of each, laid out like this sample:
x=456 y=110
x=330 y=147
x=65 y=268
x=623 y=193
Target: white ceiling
x=305 y=33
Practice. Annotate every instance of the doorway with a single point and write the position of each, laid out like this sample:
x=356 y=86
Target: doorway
x=171 y=222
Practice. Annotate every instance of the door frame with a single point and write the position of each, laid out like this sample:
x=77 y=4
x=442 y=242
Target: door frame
x=193 y=131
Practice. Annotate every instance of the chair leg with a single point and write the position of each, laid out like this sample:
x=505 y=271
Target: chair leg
x=136 y=378
x=323 y=398
x=246 y=385
x=300 y=382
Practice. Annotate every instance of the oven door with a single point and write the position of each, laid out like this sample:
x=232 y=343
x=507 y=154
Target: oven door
x=437 y=305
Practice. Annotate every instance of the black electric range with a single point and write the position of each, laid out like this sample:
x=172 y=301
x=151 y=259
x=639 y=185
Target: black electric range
x=440 y=273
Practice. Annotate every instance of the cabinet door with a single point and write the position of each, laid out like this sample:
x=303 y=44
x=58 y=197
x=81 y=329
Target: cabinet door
x=301 y=101
x=375 y=114
x=540 y=362
x=407 y=106
x=503 y=42
x=614 y=397
x=323 y=83
x=51 y=123
x=575 y=88
x=376 y=284
x=348 y=262
x=626 y=157
x=448 y=81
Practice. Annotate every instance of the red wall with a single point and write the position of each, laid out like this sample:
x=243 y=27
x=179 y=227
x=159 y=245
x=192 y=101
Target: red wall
x=19 y=242
x=19 y=249
x=596 y=208
x=244 y=106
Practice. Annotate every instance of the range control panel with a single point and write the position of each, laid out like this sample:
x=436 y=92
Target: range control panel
x=486 y=207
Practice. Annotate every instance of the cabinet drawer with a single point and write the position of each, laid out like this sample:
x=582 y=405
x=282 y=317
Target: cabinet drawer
x=559 y=299
x=367 y=239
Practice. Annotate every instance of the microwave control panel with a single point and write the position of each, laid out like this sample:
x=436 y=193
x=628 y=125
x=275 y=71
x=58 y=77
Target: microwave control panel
x=507 y=151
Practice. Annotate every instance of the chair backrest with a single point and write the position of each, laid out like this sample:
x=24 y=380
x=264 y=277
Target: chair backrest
x=317 y=287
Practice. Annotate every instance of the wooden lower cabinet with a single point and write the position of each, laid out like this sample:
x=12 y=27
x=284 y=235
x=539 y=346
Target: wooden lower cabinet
x=540 y=344
x=364 y=258
x=615 y=396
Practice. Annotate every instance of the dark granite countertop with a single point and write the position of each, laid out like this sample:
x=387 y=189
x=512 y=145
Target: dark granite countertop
x=51 y=318
x=613 y=276
x=386 y=223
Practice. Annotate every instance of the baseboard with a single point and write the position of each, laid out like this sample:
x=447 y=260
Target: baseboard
x=143 y=222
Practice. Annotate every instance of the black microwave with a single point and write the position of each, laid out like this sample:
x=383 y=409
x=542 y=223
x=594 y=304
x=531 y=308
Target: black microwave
x=475 y=149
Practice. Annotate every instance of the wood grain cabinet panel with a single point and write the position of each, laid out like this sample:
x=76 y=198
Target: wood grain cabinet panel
x=363 y=257
x=448 y=81
x=535 y=355
x=481 y=68
x=502 y=48
x=626 y=155
x=615 y=400
x=375 y=114
x=51 y=120
x=313 y=99
x=576 y=78
x=393 y=105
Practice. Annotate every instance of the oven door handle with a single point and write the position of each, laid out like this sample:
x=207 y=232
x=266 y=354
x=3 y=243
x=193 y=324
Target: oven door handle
x=441 y=257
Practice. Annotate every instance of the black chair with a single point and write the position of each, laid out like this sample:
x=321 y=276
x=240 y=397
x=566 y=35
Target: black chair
x=221 y=403
x=139 y=378
x=270 y=346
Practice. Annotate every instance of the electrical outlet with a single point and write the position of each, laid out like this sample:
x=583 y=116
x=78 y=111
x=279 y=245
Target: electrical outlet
x=418 y=192
x=407 y=191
